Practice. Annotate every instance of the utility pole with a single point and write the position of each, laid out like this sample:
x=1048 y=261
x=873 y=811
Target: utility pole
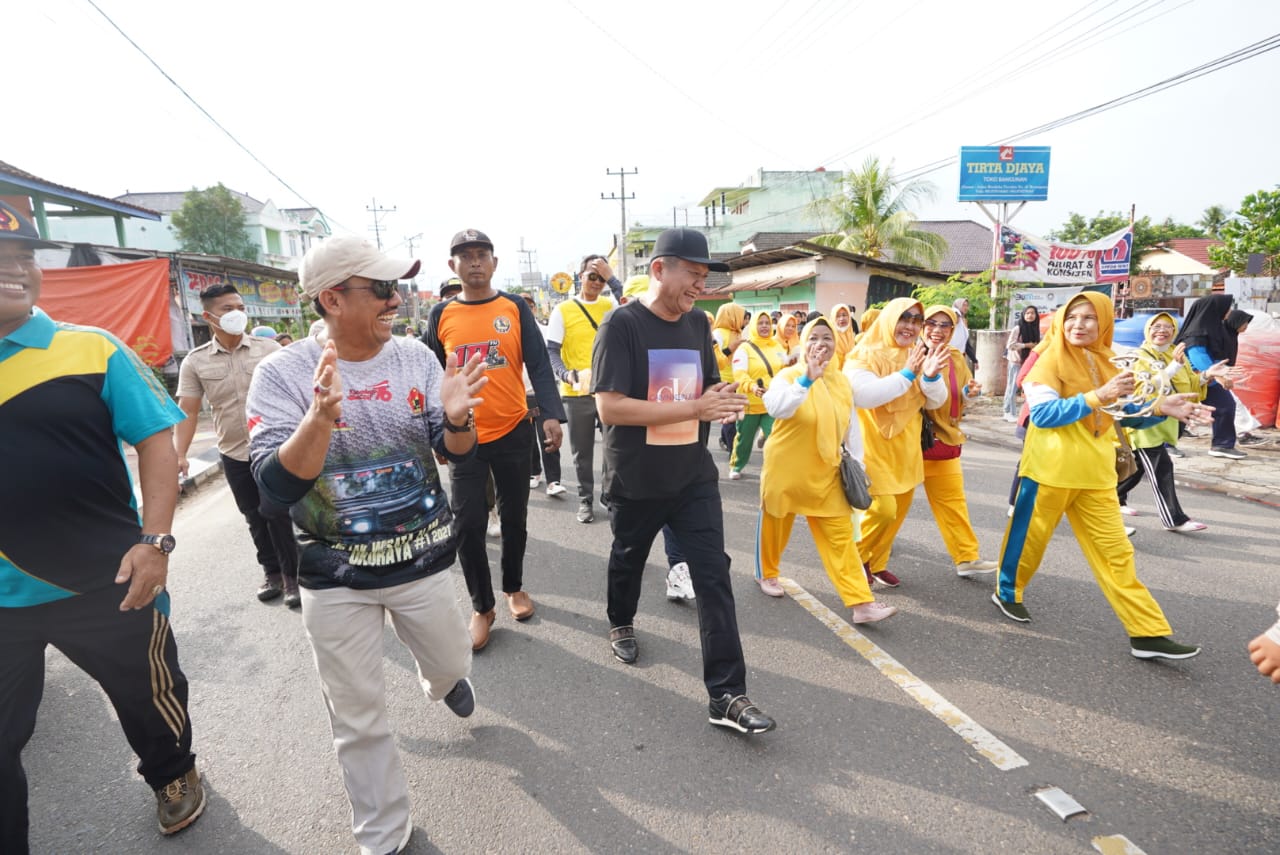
x=528 y=255
x=377 y=225
x=413 y=287
x=614 y=197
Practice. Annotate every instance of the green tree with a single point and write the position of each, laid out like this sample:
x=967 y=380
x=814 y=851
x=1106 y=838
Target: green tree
x=1213 y=219
x=211 y=221
x=1254 y=228
x=1146 y=234
x=976 y=290
x=873 y=217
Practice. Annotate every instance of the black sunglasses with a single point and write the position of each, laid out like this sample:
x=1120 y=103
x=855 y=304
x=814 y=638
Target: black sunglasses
x=594 y=277
x=382 y=290
x=910 y=318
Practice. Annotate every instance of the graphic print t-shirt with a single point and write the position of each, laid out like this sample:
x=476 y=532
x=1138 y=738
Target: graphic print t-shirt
x=642 y=356
x=377 y=516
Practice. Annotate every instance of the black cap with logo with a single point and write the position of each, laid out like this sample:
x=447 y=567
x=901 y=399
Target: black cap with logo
x=14 y=227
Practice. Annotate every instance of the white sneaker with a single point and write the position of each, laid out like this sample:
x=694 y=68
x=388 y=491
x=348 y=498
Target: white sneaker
x=495 y=527
x=1128 y=511
x=966 y=569
x=1130 y=531
x=679 y=585
x=1010 y=419
x=534 y=481
x=555 y=488
x=1189 y=525
x=735 y=475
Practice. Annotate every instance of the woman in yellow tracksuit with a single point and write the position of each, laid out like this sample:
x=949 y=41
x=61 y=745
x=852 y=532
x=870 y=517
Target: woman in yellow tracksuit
x=865 y=322
x=726 y=332
x=813 y=407
x=1068 y=467
x=943 y=477
x=755 y=363
x=894 y=377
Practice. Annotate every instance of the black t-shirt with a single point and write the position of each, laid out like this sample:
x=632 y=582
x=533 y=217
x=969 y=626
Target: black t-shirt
x=642 y=356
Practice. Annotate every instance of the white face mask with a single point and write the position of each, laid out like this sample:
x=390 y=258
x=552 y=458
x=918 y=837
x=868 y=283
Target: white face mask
x=233 y=322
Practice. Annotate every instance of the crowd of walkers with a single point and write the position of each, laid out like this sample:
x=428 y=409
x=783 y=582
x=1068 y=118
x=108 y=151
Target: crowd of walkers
x=339 y=438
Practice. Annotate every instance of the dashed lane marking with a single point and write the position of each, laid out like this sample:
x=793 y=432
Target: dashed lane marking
x=983 y=741
x=1116 y=844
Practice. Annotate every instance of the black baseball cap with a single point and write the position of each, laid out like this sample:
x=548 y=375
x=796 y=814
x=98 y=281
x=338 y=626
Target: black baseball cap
x=469 y=237
x=689 y=244
x=452 y=285
x=15 y=227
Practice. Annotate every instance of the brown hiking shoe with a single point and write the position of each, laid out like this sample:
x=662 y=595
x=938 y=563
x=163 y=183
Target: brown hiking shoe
x=180 y=802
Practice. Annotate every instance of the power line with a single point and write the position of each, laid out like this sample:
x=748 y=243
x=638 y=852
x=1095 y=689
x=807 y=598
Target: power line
x=208 y=115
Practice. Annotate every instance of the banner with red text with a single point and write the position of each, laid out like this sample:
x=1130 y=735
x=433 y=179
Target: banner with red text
x=1025 y=257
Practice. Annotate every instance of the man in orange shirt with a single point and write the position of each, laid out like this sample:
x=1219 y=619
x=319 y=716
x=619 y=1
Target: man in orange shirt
x=502 y=329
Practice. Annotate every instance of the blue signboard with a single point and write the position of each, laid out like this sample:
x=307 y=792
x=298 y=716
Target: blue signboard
x=1004 y=173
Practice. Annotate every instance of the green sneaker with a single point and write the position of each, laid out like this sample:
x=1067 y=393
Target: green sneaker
x=1013 y=611
x=1160 y=647
x=180 y=802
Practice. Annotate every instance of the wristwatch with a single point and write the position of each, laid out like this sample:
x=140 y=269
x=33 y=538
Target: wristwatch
x=465 y=427
x=163 y=542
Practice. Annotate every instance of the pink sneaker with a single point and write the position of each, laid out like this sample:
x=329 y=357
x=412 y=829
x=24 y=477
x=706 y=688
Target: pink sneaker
x=772 y=587
x=872 y=612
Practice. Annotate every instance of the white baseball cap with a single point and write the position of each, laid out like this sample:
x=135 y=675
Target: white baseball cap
x=335 y=260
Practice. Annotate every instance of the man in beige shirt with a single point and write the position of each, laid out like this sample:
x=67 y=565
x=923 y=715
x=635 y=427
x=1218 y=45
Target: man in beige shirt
x=220 y=371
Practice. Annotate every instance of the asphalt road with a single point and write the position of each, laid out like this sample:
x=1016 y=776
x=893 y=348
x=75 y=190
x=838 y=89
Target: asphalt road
x=931 y=732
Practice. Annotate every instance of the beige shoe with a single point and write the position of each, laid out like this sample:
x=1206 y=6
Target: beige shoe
x=480 y=623
x=872 y=612
x=180 y=802
x=520 y=604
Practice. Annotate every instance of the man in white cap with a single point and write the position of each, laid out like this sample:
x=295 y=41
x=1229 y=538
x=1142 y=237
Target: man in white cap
x=657 y=386
x=344 y=434
x=80 y=568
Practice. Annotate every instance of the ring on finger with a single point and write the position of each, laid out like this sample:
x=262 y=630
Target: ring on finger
x=321 y=389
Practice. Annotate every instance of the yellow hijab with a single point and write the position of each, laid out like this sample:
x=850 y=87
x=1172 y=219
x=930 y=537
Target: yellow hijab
x=844 y=337
x=865 y=322
x=879 y=353
x=788 y=337
x=730 y=317
x=761 y=341
x=1069 y=369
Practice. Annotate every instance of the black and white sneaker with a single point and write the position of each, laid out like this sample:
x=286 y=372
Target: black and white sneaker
x=1229 y=453
x=1160 y=647
x=737 y=712
x=461 y=698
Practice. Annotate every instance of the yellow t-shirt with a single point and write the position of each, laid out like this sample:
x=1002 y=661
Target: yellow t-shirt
x=579 y=336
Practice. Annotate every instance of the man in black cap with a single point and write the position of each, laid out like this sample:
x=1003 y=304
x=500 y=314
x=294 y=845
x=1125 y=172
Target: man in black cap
x=78 y=568
x=657 y=388
x=450 y=287
x=502 y=330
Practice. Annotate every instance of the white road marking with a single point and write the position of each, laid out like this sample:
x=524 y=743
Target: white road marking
x=1001 y=756
x=1116 y=844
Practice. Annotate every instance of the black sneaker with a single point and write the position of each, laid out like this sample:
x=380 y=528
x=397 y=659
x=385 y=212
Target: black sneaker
x=271 y=587
x=180 y=802
x=1160 y=647
x=1229 y=453
x=740 y=714
x=1174 y=451
x=461 y=698
x=1013 y=611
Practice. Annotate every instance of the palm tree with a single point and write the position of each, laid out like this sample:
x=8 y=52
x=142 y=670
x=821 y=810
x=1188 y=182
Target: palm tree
x=873 y=217
x=1213 y=219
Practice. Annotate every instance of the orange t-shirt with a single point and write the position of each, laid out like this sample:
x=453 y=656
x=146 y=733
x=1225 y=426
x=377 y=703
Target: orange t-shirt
x=493 y=329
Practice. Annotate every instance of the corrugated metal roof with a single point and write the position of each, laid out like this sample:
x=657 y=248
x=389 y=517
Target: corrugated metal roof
x=168 y=202
x=763 y=285
x=968 y=243
x=15 y=181
x=1197 y=249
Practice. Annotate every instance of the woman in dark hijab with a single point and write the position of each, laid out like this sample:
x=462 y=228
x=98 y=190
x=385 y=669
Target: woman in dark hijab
x=1210 y=339
x=1023 y=337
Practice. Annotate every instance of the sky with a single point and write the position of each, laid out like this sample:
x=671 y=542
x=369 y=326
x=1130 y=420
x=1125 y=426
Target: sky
x=507 y=116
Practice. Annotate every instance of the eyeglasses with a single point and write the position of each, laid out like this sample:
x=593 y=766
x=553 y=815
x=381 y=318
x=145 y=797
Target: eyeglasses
x=911 y=318
x=382 y=290
x=938 y=325
x=1161 y=328
x=594 y=277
